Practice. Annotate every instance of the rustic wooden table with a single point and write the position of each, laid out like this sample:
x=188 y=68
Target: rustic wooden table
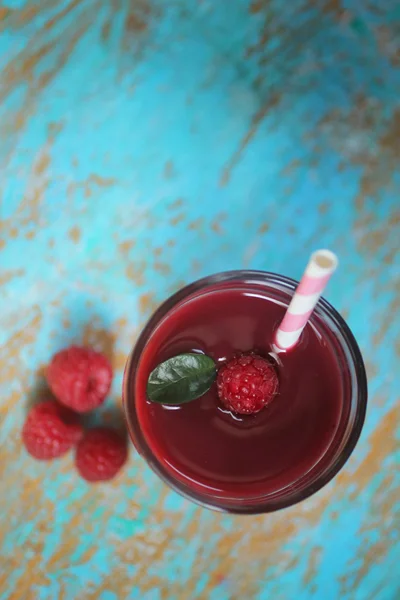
x=146 y=143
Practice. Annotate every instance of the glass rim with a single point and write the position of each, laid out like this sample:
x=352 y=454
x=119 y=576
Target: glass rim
x=324 y=309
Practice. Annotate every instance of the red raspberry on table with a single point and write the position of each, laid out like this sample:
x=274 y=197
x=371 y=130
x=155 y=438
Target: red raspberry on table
x=246 y=384
x=100 y=454
x=50 y=430
x=79 y=377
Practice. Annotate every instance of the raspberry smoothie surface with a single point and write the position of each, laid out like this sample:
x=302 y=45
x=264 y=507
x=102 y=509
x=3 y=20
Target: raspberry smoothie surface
x=210 y=448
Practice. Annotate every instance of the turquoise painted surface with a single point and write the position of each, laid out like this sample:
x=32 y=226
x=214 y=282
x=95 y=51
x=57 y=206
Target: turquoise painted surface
x=148 y=143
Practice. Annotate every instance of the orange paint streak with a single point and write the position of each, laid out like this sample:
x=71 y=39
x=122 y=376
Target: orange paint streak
x=163 y=268
x=258 y=118
x=135 y=272
x=75 y=234
x=125 y=247
x=177 y=203
x=169 y=170
x=178 y=219
x=98 y=337
x=7 y=276
x=147 y=304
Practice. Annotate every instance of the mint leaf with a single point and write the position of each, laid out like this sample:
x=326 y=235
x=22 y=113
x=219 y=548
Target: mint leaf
x=181 y=379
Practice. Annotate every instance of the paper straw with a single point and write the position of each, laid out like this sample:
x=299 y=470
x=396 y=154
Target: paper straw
x=321 y=265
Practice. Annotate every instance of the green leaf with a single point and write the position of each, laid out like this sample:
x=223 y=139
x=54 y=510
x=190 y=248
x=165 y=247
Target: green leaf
x=181 y=379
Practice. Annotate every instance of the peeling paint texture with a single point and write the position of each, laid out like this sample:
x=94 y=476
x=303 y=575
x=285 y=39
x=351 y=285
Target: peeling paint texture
x=144 y=144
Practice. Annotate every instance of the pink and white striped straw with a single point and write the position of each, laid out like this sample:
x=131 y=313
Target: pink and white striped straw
x=320 y=267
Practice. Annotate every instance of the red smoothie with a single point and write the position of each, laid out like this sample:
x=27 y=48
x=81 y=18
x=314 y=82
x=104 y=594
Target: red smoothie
x=213 y=451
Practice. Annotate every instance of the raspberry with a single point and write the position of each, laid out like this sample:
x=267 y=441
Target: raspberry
x=80 y=378
x=247 y=383
x=100 y=454
x=50 y=430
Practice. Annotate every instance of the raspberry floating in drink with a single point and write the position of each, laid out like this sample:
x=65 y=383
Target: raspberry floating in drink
x=247 y=383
